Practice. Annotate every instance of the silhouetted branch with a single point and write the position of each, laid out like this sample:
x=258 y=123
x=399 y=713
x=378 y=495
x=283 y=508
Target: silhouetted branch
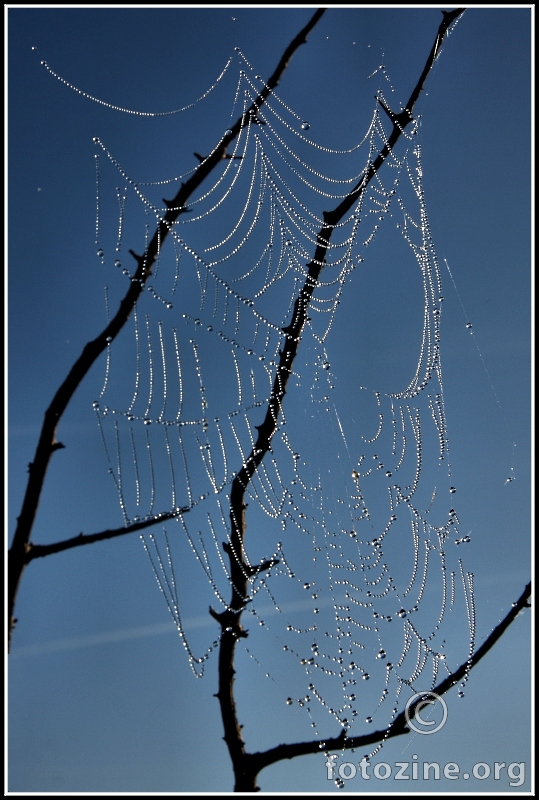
x=17 y=556
x=41 y=550
x=259 y=761
x=239 y=569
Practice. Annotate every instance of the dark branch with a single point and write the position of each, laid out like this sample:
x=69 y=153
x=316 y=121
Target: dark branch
x=41 y=550
x=93 y=349
x=239 y=568
x=399 y=727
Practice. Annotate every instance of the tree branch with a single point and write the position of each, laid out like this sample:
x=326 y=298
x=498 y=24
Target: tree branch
x=399 y=727
x=41 y=550
x=239 y=570
x=17 y=556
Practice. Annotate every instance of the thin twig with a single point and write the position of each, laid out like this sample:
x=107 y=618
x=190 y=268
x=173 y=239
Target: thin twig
x=42 y=550
x=17 y=556
x=399 y=725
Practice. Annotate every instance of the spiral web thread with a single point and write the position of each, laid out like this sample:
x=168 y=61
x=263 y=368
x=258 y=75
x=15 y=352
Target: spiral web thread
x=353 y=503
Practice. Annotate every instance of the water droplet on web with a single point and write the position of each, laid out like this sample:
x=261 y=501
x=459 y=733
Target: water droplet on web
x=100 y=253
x=305 y=125
x=117 y=263
x=228 y=132
x=381 y=654
x=452 y=490
x=368 y=719
x=469 y=325
x=401 y=613
x=289 y=701
x=109 y=339
x=365 y=676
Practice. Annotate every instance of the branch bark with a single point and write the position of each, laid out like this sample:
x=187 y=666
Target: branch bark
x=42 y=550
x=230 y=619
x=47 y=444
x=259 y=761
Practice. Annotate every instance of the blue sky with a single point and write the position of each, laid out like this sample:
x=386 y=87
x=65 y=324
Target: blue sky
x=101 y=693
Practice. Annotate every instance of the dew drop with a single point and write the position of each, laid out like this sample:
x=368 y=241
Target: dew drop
x=305 y=125
x=100 y=253
x=452 y=490
x=368 y=719
x=381 y=654
x=147 y=422
x=365 y=676
x=109 y=339
x=169 y=305
x=228 y=132
x=401 y=613
x=289 y=701
x=117 y=263
x=469 y=325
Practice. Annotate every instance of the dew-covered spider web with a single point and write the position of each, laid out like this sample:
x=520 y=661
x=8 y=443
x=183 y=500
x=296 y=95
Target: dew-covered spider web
x=367 y=599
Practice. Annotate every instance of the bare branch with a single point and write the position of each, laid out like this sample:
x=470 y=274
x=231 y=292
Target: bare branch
x=239 y=569
x=399 y=727
x=41 y=550
x=17 y=557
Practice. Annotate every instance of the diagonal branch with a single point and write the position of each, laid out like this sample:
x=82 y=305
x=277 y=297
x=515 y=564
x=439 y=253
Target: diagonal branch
x=47 y=441
x=239 y=570
x=261 y=760
x=42 y=550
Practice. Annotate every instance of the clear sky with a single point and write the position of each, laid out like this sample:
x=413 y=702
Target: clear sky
x=102 y=697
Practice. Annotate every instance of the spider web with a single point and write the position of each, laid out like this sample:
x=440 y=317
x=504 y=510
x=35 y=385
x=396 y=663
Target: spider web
x=367 y=600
